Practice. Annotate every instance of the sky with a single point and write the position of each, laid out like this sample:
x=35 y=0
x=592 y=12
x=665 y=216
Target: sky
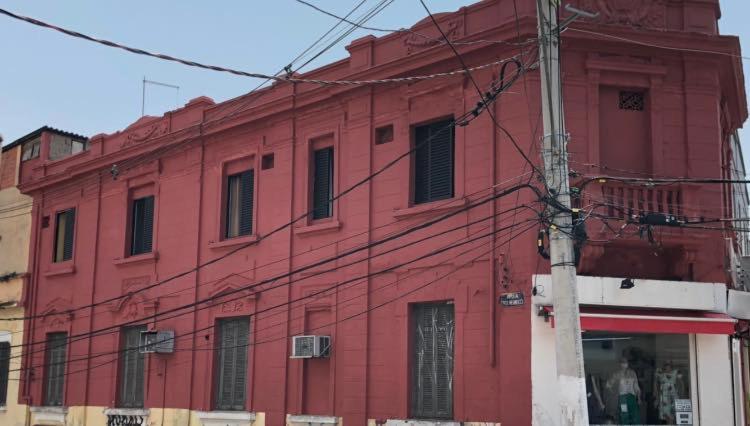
x=47 y=78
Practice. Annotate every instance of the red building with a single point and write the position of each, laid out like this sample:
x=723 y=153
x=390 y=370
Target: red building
x=179 y=223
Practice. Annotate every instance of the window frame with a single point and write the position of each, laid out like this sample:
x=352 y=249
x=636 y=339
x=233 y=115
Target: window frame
x=55 y=237
x=314 y=182
x=231 y=165
x=60 y=400
x=121 y=376
x=226 y=198
x=321 y=136
x=413 y=160
x=5 y=339
x=216 y=404
x=131 y=230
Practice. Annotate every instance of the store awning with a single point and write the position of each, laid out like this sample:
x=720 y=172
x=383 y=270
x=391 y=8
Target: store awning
x=639 y=321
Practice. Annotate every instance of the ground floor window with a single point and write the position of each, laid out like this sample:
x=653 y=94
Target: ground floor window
x=634 y=378
x=432 y=361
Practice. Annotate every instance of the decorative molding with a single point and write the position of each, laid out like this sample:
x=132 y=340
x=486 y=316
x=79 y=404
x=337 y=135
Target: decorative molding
x=453 y=29
x=636 y=13
x=57 y=312
x=157 y=129
x=233 y=285
x=134 y=305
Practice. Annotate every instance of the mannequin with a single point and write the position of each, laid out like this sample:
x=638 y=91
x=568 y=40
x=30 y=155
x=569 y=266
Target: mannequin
x=594 y=399
x=629 y=392
x=667 y=381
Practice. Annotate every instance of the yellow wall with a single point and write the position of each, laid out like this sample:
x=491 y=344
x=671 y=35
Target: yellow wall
x=14 y=414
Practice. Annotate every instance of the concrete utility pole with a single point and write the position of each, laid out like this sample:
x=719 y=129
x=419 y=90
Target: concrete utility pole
x=571 y=379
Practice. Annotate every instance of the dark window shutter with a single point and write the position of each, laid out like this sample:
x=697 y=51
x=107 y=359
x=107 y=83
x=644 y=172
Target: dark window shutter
x=4 y=371
x=69 y=230
x=433 y=162
x=55 y=369
x=231 y=363
x=247 y=189
x=432 y=369
x=323 y=183
x=142 y=225
x=131 y=369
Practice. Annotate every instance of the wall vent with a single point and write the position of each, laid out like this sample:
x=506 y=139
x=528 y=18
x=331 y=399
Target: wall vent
x=631 y=101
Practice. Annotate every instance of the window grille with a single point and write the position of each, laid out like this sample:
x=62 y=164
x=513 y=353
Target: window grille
x=54 y=375
x=131 y=369
x=632 y=101
x=231 y=363
x=432 y=361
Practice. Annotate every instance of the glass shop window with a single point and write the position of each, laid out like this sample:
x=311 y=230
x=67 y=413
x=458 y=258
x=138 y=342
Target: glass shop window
x=637 y=379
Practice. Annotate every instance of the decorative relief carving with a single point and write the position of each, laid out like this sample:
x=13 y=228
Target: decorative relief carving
x=57 y=312
x=238 y=296
x=636 y=13
x=157 y=129
x=134 y=305
x=453 y=29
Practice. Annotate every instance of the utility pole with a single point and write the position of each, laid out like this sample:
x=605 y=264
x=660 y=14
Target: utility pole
x=571 y=379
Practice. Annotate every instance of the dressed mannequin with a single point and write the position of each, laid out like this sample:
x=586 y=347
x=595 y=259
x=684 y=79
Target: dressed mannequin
x=629 y=392
x=667 y=381
x=594 y=399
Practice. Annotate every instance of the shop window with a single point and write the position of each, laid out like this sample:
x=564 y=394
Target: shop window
x=54 y=374
x=231 y=363
x=142 y=225
x=636 y=378
x=239 y=207
x=64 y=231
x=433 y=162
x=31 y=149
x=432 y=361
x=132 y=361
x=4 y=371
x=322 y=183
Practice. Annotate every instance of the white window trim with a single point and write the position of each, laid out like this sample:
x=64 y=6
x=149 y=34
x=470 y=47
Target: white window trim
x=226 y=418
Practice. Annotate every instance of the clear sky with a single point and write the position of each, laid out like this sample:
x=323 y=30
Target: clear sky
x=47 y=78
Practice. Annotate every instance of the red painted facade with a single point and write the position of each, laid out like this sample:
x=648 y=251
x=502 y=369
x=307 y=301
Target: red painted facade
x=692 y=103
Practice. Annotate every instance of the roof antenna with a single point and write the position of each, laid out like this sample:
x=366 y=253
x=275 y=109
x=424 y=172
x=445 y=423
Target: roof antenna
x=156 y=83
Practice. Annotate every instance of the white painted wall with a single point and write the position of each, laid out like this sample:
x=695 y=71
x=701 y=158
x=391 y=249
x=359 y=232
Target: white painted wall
x=714 y=380
x=544 y=401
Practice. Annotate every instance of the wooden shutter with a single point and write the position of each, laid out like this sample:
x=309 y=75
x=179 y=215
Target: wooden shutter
x=131 y=369
x=68 y=219
x=54 y=377
x=433 y=162
x=247 y=190
x=142 y=226
x=231 y=363
x=4 y=371
x=323 y=183
x=432 y=362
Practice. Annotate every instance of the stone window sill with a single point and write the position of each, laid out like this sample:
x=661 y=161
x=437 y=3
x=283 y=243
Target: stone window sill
x=331 y=225
x=139 y=412
x=229 y=242
x=316 y=420
x=399 y=422
x=225 y=418
x=149 y=257
x=431 y=207
x=49 y=415
x=59 y=270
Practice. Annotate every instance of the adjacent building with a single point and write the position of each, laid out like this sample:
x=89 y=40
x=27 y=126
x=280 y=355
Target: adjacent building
x=278 y=295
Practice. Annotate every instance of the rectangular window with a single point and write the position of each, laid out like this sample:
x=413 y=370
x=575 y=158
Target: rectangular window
x=54 y=374
x=30 y=150
x=231 y=363
x=131 y=386
x=4 y=371
x=142 y=225
x=432 y=361
x=322 y=190
x=239 y=208
x=634 y=378
x=433 y=162
x=64 y=229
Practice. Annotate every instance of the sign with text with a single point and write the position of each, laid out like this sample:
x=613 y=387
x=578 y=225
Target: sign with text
x=512 y=299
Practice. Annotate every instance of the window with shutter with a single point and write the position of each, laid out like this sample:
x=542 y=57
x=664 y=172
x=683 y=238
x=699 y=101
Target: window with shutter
x=132 y=361
x=64 y=229
x=432 y=361
x=239 y=204
x=231 y=363
x=4 y=371
x=322 y=190
x=54 y=375
x=433 y=161
x=142 y=225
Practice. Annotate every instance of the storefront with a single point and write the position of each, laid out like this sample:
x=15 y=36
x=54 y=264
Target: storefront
x=656 y=353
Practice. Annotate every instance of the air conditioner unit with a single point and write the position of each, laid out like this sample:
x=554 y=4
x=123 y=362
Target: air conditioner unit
x=311 y=346
x=161 y=342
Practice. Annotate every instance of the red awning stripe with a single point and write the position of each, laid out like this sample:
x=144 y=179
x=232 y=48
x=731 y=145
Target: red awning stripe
x=636 y=322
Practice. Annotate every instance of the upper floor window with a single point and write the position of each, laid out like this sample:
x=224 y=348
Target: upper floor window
x=322 y=183
x=239 y=204
x=142 y=225
x=4 y=371
x=625 y=147
x=64 y=231
x=54 y=374
x=31 y=149
x=130 y=394
x=433 y=161
x=231 y=363
x=64 y=146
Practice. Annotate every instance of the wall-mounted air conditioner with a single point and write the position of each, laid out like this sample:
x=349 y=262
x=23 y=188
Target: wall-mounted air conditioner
x=311 y=346
x=161 y=342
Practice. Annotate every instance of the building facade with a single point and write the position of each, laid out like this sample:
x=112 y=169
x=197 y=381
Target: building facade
x=405 y=245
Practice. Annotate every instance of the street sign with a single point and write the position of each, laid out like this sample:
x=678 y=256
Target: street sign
x=512 y=299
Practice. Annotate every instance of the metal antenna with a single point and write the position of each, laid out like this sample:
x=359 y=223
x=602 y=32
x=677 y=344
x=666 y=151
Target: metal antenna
x=156 y=83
